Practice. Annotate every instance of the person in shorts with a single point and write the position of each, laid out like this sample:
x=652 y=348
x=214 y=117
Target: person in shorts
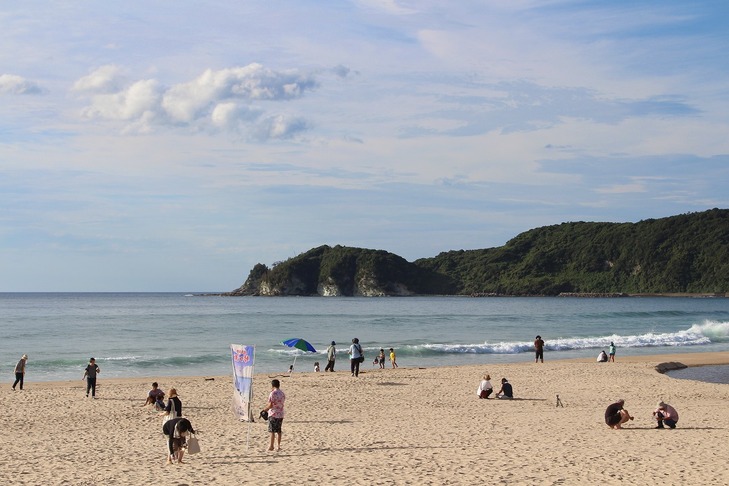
x=176 y=430
x=616 y=415
x=538 y=349
x=275 y=409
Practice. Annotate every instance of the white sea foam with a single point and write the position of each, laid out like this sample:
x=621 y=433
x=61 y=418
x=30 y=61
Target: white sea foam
x=699 y=334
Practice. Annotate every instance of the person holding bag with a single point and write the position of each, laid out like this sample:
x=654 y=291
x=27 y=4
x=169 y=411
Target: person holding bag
x=177 y=430
x=356 y=356
x=173 y=408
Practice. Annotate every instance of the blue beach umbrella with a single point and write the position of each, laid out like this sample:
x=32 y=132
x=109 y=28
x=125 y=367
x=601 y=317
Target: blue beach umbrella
x=299 y=343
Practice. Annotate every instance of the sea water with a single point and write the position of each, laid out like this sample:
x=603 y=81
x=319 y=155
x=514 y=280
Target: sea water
x=167 y=334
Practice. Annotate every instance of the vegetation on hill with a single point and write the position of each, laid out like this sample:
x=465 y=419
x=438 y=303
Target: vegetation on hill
x=688 y=253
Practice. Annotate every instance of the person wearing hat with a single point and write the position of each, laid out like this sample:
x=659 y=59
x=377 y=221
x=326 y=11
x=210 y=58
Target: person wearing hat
x=20 y=371
x=331 y=357
x=174 y=406
x=665 y=414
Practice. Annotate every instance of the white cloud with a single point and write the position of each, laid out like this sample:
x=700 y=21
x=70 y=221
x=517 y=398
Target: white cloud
x=105 y=79
x=17 y=85
x=221 y=98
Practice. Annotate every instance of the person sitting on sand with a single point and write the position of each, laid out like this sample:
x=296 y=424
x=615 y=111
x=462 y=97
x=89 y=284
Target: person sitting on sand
x=485 y=388
x=177 y=430
x=156 y=397
x=602 y=357
x=616 y=415
x=665 y=414
x=506 y=391
x=316 y=367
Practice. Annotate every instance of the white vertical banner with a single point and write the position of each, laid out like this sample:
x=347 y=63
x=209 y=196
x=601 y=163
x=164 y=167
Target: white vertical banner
x=243 y=359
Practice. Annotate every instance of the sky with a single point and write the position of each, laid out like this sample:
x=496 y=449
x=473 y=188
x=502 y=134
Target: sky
x=171 y=146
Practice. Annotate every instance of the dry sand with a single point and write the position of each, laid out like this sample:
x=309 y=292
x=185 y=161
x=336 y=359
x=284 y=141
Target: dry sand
x=403 y=426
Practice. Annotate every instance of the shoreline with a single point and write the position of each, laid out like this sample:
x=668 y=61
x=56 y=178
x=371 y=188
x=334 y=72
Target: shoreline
x=690 y=360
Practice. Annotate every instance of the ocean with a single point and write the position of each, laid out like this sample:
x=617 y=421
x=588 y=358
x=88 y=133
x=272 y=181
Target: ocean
x=168 y=334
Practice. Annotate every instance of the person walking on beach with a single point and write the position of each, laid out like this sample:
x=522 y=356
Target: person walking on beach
x=176 y=430
x=20 y=371
x=331 y=357
x=381 y=358
x=90 y=372
x=616 y=415
x=665 y=414
x=485 y=388
x=506 y=392
x=275 y=409
x=356 y=356
x=611 y=352
x=538 y=349
x=393 y=358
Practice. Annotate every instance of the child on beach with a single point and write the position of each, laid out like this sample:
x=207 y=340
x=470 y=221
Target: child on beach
x=156 y=397
x=316 y=367
x=612 y=352
x=381 y=358
x=392 y=358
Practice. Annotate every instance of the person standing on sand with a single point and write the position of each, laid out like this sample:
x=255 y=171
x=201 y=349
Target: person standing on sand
x=331 y=357
x=275 y=409
x=20 y=371
x=355 y=356
x=616 y=415
x=381 y=358
x=538 y=349
x=611 y=352
x=90 y=373
x=393 y=358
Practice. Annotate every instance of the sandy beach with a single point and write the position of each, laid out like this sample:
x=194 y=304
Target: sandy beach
x=403 y=426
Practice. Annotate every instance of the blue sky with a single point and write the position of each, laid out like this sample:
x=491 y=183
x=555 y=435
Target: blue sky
x=171 y=146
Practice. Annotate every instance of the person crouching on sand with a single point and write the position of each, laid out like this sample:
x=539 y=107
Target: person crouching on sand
x=665 y=414
x=616 y=415
x=506 y=392
x=485 y=388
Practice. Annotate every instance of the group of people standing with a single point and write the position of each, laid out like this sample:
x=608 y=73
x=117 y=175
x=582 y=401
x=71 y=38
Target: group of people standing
x=356 y=357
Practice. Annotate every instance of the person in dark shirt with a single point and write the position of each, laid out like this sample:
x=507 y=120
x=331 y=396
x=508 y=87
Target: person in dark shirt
x=538 y=349
x=90 y=372
x=506 y=390
x=616 y=415
x=177 y=430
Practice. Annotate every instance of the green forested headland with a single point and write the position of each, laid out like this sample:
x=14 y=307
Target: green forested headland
x=688 y=253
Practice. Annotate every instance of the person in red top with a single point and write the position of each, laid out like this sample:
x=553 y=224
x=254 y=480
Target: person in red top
x=275 y=409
